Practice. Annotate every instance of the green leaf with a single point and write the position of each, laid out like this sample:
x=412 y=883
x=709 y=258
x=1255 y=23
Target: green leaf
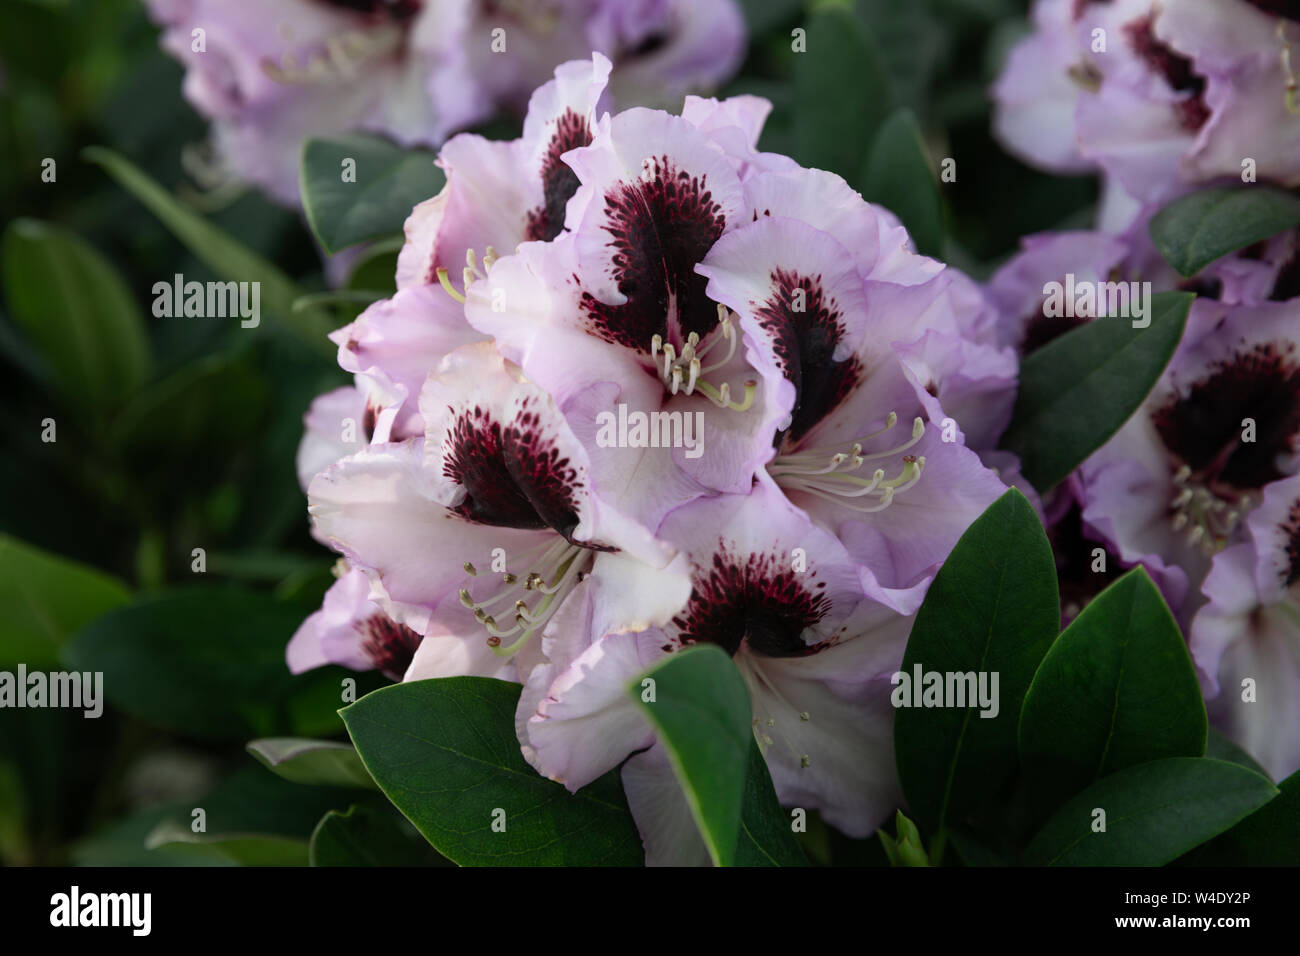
x=1193 y=231
x=1076 y=391
x=320 y=762
x=912 y=39
x=445 y=752
x=763 y=15
x=700 y=707
x=238 y=849
x=841 y=93
x=47 y=599
x=369 y=836
x=15 y=844
x=1268 y=837
x=222 y=253
x=206 y=661
x=212 y=404
x=1117 y=689
x=972 y=852
x=897 y=175
x=1155 y=812
x=766 y=835
x=71 y=304
x=122 y=843
x=992 y=609
x=1219 y=747
x=251 y=818
x=388 y=182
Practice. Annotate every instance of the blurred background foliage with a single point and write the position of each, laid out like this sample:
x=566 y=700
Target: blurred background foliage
x=175 y=434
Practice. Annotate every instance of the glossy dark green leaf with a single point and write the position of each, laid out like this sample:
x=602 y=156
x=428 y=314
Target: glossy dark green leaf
x=71 y=304
x=897 y=175
x=361 y=187
x=700 y=706
x=369 y=836
x=766 y=830
x=122 y=842
x=841 y=92
x=992 y=609
x=1219 y=747
x=377 y=270
x=318 y=762
x=1154 y=813
x=1193 y=231
x=251 y=818
x=236 y=849
x=1079 y=389
x=445 y=752
x=47 y=599
x=1117 y=689
x=1268 y=837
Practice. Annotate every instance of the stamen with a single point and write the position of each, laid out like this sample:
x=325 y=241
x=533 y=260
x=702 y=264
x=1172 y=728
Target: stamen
x=818 y=455
x=754 y=679
x=340 y=59
x=1208 y=519
x=684 y=372
x=567 y=564
x=446 y=284
x=1292 y=86
x=827 y=475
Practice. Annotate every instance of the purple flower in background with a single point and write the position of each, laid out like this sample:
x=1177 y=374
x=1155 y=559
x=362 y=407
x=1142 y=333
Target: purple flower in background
x=1161 y=96
x=1176 y=485
x=1135 y=525
x=271 y=74
x=1246 y=640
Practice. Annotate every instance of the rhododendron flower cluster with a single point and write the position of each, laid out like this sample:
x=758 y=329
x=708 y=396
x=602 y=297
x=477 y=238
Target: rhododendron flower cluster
x=656 y=269
x=270 y=74
x=1199 y=485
